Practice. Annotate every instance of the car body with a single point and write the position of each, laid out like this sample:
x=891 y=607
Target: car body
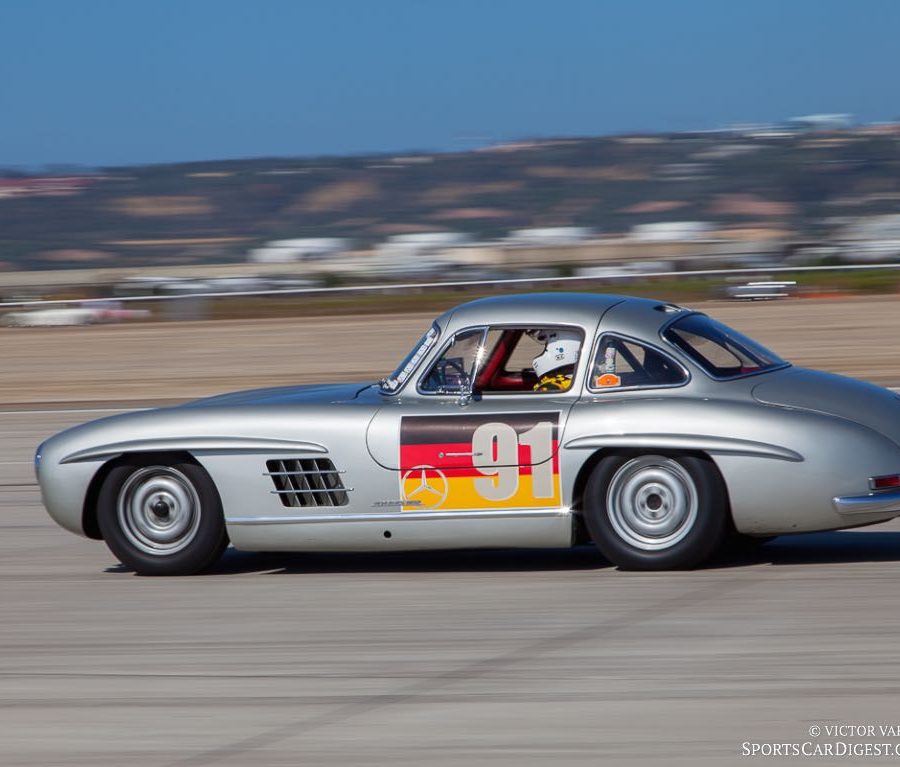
x=675 y=433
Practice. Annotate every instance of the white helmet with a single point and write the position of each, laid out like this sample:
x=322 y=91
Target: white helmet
x=560 y=349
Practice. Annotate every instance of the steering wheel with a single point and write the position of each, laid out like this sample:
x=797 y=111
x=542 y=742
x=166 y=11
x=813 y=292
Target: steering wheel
x=449 y=373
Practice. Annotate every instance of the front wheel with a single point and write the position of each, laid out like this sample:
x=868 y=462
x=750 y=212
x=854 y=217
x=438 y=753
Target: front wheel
x=161 y=518
x=656 y=512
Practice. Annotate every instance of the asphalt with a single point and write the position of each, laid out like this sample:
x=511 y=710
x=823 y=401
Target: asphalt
x=457 y=658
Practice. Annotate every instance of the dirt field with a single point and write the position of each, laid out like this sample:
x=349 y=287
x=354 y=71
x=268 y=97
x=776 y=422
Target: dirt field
x=177 y=361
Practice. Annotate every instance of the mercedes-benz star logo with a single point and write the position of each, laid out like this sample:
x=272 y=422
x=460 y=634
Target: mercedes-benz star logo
x=431 y=490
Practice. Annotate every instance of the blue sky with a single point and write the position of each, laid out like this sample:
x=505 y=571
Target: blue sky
x=106 y=82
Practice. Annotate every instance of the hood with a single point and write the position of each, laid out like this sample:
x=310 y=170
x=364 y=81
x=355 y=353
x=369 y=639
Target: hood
x=286 y=395
x=265 y=420
x=857 y=401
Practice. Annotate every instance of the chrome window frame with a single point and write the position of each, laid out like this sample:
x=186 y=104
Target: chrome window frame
x=640 y=342
x=448 y=343
x=412 y=373
x=507 y=326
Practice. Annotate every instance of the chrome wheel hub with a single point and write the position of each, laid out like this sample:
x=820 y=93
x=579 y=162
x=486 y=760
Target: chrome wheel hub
x=158 y=510
x=652 y=502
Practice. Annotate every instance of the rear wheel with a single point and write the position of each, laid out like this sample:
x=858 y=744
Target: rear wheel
x=161 y=518
x=656 y=512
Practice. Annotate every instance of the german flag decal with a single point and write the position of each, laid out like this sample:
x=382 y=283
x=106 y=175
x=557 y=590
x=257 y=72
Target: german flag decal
x=473 y=462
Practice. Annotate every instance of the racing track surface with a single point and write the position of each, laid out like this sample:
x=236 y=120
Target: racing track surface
x=463 y=658
x=506 y=658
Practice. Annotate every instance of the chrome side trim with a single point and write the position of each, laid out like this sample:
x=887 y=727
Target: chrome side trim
x=875 y=503
x=299 y=471
x=400 y=516
x=685 y=442
x=313 y=491
x=207 y=444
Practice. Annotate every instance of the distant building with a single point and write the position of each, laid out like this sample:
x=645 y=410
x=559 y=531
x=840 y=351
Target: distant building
x=683 y=171
x=672 y=231
x=420 y=253
x=407 y=248
x=302 y=249
x=549 y=235
x=871 y=238
x=45 y=186
x=820 y=122
x=614 y=271
x=426 y=241
x=873 y=228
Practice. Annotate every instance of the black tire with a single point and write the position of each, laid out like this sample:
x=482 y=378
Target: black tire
x=656 y=512
x=161 y=516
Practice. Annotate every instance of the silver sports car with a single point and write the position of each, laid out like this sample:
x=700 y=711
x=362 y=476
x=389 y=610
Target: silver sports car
x=542 y=420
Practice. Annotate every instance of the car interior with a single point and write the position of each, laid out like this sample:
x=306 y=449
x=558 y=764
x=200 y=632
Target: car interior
x=508 y=364
x=634 y=364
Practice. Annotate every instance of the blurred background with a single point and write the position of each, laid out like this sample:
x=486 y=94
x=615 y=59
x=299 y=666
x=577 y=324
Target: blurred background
x=215 y=161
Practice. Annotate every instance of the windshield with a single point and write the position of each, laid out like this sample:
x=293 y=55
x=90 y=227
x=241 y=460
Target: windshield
x=396 y=379
x=719 y=350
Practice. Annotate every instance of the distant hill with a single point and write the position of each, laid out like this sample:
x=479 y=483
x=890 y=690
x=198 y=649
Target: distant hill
x=216 y=211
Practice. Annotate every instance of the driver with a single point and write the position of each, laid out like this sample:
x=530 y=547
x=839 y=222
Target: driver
x=555 y=366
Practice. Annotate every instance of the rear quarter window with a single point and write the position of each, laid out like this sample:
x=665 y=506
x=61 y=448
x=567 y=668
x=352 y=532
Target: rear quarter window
x=624 y=363
x=718 y=349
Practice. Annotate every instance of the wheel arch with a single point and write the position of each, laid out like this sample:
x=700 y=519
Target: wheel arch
x=587 y=468
x=89 y=522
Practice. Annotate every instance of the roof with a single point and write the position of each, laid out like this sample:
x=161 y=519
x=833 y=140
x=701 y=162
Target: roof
x=536 y=307
x=547 y=308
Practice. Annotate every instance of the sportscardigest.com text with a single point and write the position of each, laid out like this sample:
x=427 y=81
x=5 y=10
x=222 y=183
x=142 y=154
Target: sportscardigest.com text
x=834 y=740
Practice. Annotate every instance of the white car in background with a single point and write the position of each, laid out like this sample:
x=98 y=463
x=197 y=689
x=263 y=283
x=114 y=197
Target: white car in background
x=80 y=315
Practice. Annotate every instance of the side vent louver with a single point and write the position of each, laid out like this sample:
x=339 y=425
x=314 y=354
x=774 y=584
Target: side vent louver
x=307 y=482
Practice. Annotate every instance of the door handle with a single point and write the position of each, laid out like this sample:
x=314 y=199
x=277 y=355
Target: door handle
x=459 y=455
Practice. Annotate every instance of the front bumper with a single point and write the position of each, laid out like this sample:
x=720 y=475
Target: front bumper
x=874 y=503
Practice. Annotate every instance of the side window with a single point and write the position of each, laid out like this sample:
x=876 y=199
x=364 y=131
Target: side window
x=529 y=360
x=527 y=347
x=621 y=363
x=454 y=369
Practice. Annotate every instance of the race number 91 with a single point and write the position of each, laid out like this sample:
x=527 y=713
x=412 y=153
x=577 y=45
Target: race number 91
x=497 y=461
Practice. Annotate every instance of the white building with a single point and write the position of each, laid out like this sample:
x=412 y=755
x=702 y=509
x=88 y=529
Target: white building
x=421 y=253
x=671 y=231
x=821 y=122
x=426 y=241
x=549 y=235
x=871 y=238
x=873 y=228
x=302 y=249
